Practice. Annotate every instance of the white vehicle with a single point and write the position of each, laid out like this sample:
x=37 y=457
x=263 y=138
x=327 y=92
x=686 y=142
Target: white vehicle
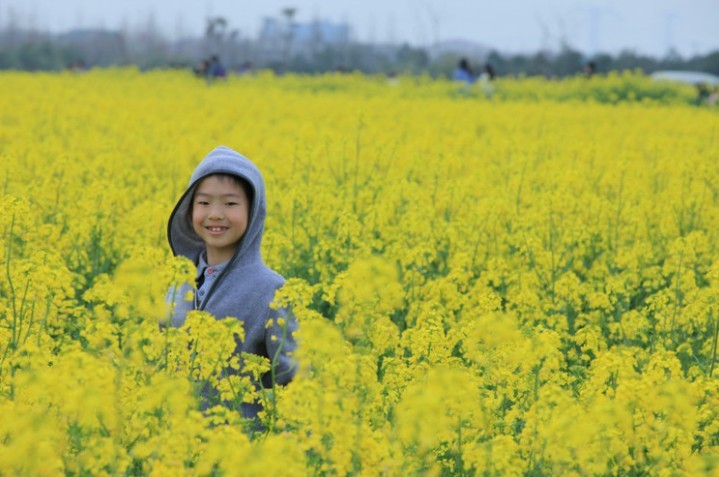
x=688 y=77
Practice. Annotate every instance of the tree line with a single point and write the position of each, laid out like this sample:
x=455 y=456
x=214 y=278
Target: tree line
x=32 y=51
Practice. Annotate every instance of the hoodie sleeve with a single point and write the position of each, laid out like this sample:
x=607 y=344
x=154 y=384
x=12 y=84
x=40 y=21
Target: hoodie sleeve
x=281 y=345
x=179 y=303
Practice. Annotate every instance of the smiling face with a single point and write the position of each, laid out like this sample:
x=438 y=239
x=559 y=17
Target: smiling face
x=220 y=214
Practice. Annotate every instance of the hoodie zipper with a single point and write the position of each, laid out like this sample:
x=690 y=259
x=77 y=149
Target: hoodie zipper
x=216 y=283
x=203 y=304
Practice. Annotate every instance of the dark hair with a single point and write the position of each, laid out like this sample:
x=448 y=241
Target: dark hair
x=239 y=181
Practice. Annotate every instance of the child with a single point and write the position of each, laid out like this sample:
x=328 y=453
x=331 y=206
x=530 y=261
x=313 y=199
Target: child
x=218 y=224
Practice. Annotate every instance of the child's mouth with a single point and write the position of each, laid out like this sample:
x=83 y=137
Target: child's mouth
x=216 y=230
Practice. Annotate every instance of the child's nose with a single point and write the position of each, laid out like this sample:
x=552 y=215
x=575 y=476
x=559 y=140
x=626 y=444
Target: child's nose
x=215 y=213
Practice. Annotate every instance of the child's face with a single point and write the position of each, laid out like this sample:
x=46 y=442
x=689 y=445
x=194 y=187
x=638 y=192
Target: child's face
x=220 y=211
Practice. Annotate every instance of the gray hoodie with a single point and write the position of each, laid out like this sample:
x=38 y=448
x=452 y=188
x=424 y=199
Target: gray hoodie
x=246 y=286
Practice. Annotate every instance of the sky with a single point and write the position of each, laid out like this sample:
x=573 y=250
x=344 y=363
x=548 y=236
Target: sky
x=691 y=27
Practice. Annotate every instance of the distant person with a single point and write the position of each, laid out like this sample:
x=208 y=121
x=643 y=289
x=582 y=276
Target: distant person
x=216 y=69
x=464 y=72
x=590 y=69
x=486 y=79
x=713 y=96
x=201 y=69
x=703 y=94
x=77 y=67
x=392 y=77
x=489 y=71
x=245 y=68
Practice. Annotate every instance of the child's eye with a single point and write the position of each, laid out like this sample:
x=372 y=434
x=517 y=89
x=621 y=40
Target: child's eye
x=230 y=203
x=202 y=202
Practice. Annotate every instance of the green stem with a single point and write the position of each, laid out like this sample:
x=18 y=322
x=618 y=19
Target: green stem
x=458 y=463
x=358 y=150
x=551 y=250
x=21 y=319
x=677 y=298
x=714 y=344
x=32 y=317
x=273 y=367
x=10 y=284
x=617 y=217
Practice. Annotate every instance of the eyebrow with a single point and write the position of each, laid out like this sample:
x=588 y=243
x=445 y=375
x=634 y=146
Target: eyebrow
x=222 y=195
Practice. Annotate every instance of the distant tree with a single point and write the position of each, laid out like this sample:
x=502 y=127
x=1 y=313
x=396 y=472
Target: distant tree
x=672 y=60
x=215 y=29
x=8 y=59
x=289 y=14
x=444 y=65
x=40 y=56
x=603 y=62
x=412 y=60
x=628 y=60
x=708 y=63
x=498 y=62
x=568 y=62
x=327 y=59
x=540 y=64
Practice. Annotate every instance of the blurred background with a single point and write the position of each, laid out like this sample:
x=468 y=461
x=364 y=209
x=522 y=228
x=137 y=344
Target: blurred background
x=551 y=38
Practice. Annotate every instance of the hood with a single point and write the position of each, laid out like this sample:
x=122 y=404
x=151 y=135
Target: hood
x=221 y=160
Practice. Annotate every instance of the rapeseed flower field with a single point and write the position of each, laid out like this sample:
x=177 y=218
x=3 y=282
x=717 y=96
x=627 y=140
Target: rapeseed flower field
x=526 y=284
